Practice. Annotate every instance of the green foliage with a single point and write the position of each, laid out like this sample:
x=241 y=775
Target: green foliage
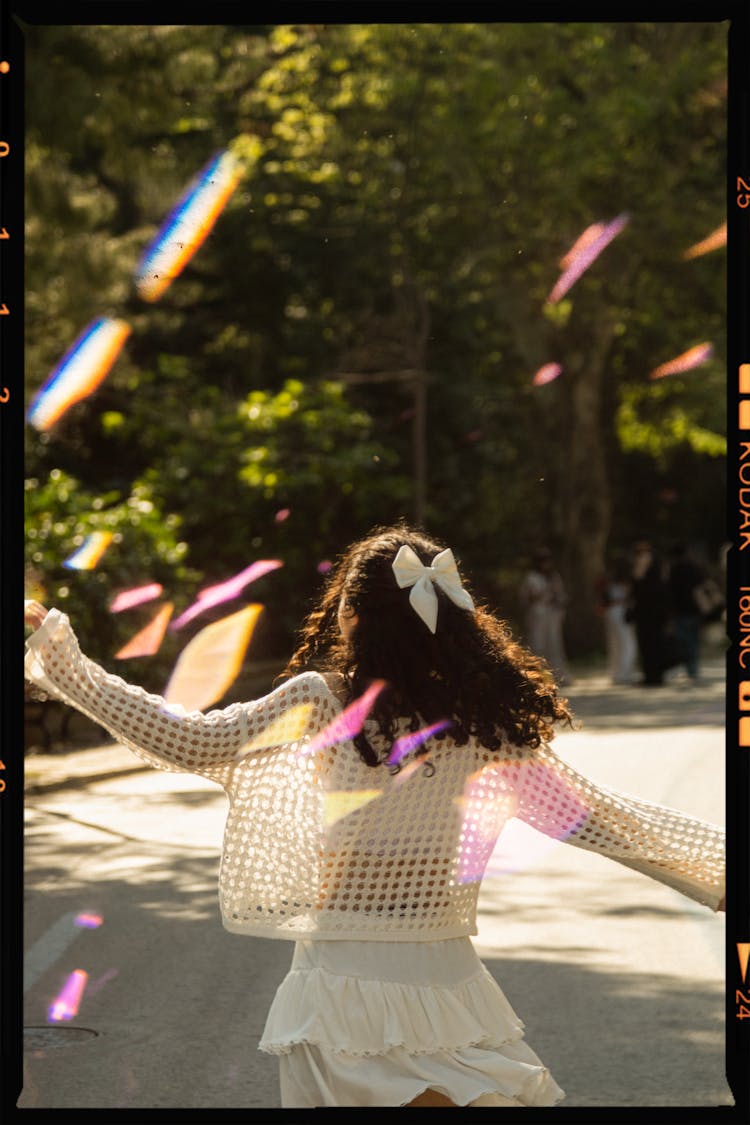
x=658 y=419
x=314 y=446
x=60 y=515
x=302 y=447
x=409 y=191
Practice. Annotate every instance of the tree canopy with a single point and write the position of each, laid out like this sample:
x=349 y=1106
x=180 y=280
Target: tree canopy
x=356 y=339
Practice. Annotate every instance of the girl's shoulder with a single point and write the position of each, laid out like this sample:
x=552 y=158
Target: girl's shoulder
x=508 y=754
x=336 y=684
x=309 y=683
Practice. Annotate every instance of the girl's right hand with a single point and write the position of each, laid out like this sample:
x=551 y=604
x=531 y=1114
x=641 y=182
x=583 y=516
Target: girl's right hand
x=34 y=613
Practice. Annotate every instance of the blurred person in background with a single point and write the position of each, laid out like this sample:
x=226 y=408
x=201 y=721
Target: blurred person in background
x=649 y=611
x=544 y=599
x=695 y=601
x=619 y=633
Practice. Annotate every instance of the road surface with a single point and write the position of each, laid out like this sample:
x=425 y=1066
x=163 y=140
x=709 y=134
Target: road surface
x=619 y=980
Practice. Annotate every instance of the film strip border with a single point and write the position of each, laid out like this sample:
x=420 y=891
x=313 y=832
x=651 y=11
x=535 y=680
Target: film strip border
x=738 y=571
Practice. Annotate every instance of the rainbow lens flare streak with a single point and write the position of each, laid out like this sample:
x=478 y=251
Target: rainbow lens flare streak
x=490 y=800
x=88 y=921
x=137 y=596
x=223 y=591
x=411 y=768
x=586 y=257
x=582 y=243
x=693 y=357
x=211 y=660
x=289 y=727
x=561 y=811
x=546 y=374
x=80 y=371
x=408 y=742
x=527 y=841
x=340 y=803
x=90 y=552
x=105 y=978
x=148 y=640
x=66 y=1003
x=187 y=226
x=712 y=241
x=348 y=723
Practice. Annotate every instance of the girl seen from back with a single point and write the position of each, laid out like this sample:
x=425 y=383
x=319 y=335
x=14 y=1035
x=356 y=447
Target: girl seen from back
x=366 y=794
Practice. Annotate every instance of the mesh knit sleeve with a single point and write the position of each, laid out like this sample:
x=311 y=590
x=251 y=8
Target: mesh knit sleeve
x=685 y=853
x=165 y=735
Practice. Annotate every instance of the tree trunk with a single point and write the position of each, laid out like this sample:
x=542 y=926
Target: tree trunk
x=585 y=502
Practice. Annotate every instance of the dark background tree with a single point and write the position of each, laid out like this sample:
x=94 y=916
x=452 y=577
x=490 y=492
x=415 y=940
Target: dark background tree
x=356 y=339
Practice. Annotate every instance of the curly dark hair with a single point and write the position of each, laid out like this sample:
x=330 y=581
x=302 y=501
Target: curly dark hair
x=471 y=671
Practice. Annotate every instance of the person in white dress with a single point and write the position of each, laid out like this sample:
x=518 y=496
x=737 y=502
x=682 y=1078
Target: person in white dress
x=619 y=632
x=544 y=602
x=366 y=794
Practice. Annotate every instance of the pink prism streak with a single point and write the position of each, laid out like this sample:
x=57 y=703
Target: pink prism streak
x=546 y=374
x=489 y=802
x=137 y=596
x=408 y=742
x=348 y=723
x=105 y=978
x=88 y=921
x=581 y=243
x=223 y=591
x=586 y=257
x=66 y=1003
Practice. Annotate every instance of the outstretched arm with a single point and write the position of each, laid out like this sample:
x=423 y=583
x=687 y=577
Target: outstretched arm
x=685 y=853
x=163 y=734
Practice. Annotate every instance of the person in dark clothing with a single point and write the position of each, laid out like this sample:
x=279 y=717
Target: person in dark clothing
x=684 y=576
x=649 y=611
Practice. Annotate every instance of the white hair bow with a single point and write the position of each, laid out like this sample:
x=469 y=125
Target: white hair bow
x=410 y=571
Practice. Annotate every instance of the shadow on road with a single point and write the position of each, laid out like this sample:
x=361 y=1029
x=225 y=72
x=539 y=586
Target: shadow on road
x=598 y=704
x=601 y=1032
x=178 y=1004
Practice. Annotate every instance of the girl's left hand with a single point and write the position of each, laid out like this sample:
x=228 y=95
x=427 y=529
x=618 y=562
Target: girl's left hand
x=34 y=613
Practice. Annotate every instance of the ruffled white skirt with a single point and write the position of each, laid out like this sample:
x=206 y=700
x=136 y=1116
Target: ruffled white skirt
x=377 y=1023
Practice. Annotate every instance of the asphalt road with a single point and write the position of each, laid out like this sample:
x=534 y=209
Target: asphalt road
x=619 y=980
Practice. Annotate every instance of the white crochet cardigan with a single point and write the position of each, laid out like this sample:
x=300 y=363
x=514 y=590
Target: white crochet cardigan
x=321 y=845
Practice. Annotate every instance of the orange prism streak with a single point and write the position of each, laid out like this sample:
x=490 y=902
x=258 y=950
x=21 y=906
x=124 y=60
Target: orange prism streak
x=147 y=642
x=712 y=242
x=684 y=362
